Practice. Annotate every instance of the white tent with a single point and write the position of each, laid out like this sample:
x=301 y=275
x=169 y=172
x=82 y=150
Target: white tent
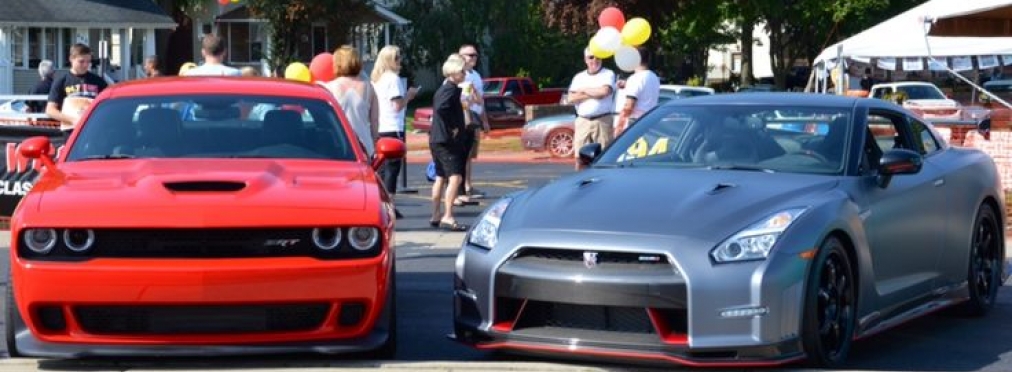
x=903 y=35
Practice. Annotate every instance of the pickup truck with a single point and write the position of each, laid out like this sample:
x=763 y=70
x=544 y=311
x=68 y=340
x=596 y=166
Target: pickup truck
x=523 y=90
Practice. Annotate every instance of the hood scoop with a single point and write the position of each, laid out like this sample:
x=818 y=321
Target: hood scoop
x=721 y=187
x=205 y=186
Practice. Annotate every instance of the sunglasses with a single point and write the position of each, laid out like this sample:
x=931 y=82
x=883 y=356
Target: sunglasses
x=472 y=55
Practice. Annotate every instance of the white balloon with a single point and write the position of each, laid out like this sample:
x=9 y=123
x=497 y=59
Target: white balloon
x=608 y=38
x=627 y=58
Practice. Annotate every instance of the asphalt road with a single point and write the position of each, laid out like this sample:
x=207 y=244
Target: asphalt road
x=937 y=342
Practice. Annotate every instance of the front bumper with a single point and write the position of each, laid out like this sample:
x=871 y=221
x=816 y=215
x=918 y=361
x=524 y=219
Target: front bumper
x=134 y=306
x=637 y=301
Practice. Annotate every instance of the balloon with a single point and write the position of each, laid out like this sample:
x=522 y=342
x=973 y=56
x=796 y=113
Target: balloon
x=597 y=51
x=608 y=38
x=186 y=67
x=223 y=2
x=635 y=32
x=298 y=71
x=627 y=58
x=322 y=67
x=611 y=17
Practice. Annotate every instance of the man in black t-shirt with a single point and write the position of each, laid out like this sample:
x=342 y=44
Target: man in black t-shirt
x=73 y=92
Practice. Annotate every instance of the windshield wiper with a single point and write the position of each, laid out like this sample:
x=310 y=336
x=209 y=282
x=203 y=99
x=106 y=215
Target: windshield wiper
x=109 y=156
x=740 y=167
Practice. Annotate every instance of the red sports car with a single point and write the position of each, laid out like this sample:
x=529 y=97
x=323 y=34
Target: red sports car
x=204 y=215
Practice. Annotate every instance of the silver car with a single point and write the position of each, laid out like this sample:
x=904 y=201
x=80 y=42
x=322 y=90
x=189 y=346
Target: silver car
x=711 y=234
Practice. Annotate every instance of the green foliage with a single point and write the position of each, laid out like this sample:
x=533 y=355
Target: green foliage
x=695 y=81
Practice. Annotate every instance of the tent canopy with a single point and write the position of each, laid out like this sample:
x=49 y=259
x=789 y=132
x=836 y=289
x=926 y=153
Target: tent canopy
x=903 y=35
x=976 y=18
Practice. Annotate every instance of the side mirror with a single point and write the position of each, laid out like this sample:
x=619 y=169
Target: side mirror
x=589 y=152
x=387 y=149
x=38 y=147
x=984 y=128
x=898 y=161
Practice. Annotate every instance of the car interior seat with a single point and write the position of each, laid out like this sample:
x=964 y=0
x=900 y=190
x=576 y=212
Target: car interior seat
x=727 y=141
x=834 y=144
x=159 y=132
x=283 y=127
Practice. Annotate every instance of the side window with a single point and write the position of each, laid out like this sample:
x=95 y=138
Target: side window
x=880 y=93
x=493 y=105
x=885 y=132
x=511 y=105
x=513 y=88
x=926 y=142
x=528 y=86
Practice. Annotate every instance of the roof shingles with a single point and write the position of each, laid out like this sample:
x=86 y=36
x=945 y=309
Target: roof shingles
x=84 y=13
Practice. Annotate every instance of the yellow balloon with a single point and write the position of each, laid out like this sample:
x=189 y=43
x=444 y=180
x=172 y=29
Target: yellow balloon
x=635 y=32
x=596 y=50
x=298 y=71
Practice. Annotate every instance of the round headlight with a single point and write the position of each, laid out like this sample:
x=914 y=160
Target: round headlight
x=363 y=238
x=326 y=238
x=40 y=241
x=79 y=240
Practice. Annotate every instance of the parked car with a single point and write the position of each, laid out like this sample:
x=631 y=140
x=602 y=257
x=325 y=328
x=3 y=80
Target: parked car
x=920 y=96
x=151 y=235
x=502 y=113
x=554 y=133
x=13 y=107
x=702 y=237
x=1001 y=88
x=523 y=90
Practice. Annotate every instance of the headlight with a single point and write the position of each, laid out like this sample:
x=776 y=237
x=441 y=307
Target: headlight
x=40 y=241
x=485 y=233
x=326 y=238
x=756 y=241
x=363 y=238
x=79 y=240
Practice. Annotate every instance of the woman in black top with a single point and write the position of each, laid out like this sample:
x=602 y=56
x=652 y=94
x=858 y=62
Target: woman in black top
x=448 y=152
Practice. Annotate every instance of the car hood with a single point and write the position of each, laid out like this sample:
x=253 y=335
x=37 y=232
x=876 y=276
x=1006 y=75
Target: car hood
x=695 y=203
x=182 y=185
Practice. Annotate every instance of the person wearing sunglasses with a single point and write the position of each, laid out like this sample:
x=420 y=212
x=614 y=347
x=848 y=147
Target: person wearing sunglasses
x=592 y=92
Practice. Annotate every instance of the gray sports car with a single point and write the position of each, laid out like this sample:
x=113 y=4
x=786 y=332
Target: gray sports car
x=745 y=229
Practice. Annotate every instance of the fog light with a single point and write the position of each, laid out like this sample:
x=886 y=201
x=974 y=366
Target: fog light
x=744 y=312
x=351 y=314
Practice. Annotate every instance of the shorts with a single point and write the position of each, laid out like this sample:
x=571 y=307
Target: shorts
x=474 y=144
x=596 y=130
x=449 y=159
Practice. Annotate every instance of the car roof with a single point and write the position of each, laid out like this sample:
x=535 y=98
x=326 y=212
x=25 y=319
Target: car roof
x=901 y=83
x=773 y=98
x=678 y=88
x=216 y=85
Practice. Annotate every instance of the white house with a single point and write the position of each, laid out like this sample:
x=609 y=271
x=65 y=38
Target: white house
x=120 y=33
x=725 y=60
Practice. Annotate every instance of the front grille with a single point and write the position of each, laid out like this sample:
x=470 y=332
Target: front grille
x=536 y=314
x=616 y=259
x=204 y=243
x=222 y=319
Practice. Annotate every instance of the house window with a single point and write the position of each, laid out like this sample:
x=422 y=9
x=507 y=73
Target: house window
x=245 y=42
x=41 y=45
x=18 y=46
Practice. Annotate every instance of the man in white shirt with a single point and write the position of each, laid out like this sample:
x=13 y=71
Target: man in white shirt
x=640 y=93
x=592 y=91
x=472 y=97
x=213 y=49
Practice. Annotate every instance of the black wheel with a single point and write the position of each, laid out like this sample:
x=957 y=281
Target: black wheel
x=559 y=143
x=984 y=274
x=829 y=314
x=12 y=321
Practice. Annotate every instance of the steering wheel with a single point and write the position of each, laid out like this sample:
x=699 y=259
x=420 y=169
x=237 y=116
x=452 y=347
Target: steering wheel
x=811 y=154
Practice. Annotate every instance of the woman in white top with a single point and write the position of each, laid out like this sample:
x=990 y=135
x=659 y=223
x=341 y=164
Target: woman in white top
x=392 y=99
x=356 y=96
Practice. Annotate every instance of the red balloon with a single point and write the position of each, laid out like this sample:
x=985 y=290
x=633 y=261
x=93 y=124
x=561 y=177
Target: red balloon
x=223 y=2
x=611 y=16
x=322 y=67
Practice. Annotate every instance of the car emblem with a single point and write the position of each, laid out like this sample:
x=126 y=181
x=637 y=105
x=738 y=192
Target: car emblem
x=283 y=243
x=590 y=259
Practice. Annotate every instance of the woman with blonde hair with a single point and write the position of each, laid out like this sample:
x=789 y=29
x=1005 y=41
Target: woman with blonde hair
x=446 y=144
x=355 y=95
x=392 y=99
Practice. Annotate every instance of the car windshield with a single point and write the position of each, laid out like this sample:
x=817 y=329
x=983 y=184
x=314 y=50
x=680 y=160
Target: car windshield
x=492 y=87
x=921 y=92
x=218 y=126
x=772 y=138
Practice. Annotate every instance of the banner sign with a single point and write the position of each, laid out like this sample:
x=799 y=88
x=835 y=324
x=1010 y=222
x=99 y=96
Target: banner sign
x=18 y=173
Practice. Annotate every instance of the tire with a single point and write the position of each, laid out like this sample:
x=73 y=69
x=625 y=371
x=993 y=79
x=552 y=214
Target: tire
x=559 y=143
x=986 y=258
x=829 y=306
x=12 y=321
